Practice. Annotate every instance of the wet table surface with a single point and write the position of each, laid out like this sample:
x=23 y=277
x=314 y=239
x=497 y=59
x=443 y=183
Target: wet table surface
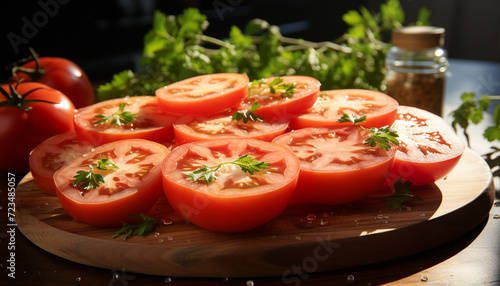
x=473 y=258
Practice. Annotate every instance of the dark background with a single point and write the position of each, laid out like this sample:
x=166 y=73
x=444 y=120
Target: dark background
x=105 y=37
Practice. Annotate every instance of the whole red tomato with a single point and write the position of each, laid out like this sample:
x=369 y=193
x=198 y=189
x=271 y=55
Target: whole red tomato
x=61 y=74
x=29 y=118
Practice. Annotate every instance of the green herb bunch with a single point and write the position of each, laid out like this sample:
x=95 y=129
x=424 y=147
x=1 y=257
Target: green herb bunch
x=176 y=48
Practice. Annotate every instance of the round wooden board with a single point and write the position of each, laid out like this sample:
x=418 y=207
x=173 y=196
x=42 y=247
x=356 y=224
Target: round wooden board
x=303 y=239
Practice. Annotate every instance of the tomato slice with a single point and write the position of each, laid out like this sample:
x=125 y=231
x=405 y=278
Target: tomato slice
x=52 y=154
x=151 y=123
x=236 y=201
x=220 y=126
x=133 y=188
x=429 y=149
x=204 y=94
x=336 y=167
x=274 y=105
x=379 y=109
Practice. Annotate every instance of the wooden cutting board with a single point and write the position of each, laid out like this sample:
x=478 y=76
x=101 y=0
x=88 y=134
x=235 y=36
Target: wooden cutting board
x=303 y=239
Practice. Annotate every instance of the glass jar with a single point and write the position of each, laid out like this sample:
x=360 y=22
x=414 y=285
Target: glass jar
x=416 y=65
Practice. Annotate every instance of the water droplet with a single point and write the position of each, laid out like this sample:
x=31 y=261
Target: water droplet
x=168 y=280
x=298 y=237
x=225 y=279
x=386 y=216
x=408 y=208
x=170 y=238
x=274 y=236
x=424 y=278
x=116 y=276
x=386 y=221
x=380 y=216
x=78 y=279
x=323 y=221
x=160 y=240
x=310 y=217
x=250 y=283
x=350 y=278
x=46 y=204
x=496 y=216
x=422 y=215
x=497 y=202
x=167 y=221
x=157 y=234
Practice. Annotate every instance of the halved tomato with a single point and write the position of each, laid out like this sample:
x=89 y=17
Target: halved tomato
x=132 y=188
x=219 y=126
x=429 y=148
x=204 y=94
x=336 y=167
x=279 y=105
x=236 y=201
x=52 y=154
x=379 y=109
x=150 y=122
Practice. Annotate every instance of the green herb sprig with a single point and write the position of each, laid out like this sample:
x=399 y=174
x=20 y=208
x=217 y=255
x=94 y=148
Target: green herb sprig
x=402 y=192
x=119 y=118
x=246 y=115
x=247 y=163
x=91 y=180
x=383 y=137
x=148 y=225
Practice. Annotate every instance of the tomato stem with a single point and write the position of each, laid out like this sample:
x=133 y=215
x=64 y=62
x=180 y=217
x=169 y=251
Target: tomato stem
x=36 y=74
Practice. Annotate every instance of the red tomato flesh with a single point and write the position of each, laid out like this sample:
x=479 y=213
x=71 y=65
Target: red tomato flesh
x=133 y=188
x=379 y=109
x=151 y=123
x=429 y=148
x=203 y=95
x=336 y=167
x=51 y=155
x=236 y=201
x=220 y=126
x=306 y=92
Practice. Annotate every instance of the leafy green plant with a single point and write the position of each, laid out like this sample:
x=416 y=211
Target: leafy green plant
x=177 y=48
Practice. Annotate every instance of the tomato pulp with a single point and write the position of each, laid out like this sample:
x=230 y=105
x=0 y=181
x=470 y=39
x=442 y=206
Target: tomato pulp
x=150 y=122
x=51 y=155
x=336 y=167
x=132 y=188
x=236 y=201
x=429 y=148
x=379 y=109
x=203 y=95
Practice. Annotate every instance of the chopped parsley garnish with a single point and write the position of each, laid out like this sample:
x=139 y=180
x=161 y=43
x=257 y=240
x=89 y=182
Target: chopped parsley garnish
x=246 y=115
x=382 y=136
x=91 y=180
x=148 y=225
x=119 y=118
x=402 y=193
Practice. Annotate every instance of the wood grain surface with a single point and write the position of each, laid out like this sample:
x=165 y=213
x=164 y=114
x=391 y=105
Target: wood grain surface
x=303 y=239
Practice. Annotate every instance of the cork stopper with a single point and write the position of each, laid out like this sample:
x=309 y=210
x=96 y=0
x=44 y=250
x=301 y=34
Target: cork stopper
x=418 y=37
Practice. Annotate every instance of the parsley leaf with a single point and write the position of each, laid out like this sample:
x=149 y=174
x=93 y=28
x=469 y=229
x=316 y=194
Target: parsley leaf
x=91 y=180
x=247 y=164
x=278 y=87
x=379 y=136
x=246 y=115
x=119 y=118
x=401 y=194
x=148 y=225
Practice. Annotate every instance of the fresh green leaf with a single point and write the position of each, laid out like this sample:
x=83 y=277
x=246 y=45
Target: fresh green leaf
x=119 y=118
x=89 y=180
x=383 y=137
x=470 y=111
x=402 y=192
x=247 y=164
x=351 y=118
x=148 y=225
x=246 y=115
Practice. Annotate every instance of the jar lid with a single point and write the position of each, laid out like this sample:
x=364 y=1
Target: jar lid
x=418 y=37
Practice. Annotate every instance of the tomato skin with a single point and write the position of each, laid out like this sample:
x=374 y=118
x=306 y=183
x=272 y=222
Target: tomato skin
x=112 y=210
x=379 y=109
x=217 y=211
x=204 y=94
x=307 y=91
x=220 y=126
x=21 y=131
x=52 y=154
x=65 y=76
x=429 y=149
x=364 y=171
x=156 y=125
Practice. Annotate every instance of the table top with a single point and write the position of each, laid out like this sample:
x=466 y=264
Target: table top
x=473 y=258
